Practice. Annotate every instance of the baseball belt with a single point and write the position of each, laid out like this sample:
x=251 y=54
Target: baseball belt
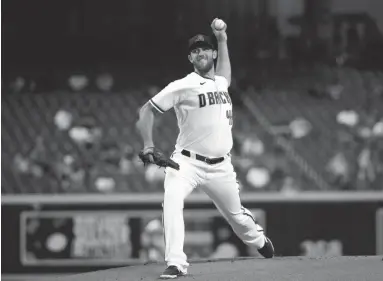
x=210 y=161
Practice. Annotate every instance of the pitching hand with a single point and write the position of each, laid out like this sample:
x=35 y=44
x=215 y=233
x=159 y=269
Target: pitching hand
x=220 y=34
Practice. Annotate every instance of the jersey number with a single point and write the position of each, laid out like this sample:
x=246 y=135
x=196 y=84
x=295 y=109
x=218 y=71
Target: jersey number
x=229 y=115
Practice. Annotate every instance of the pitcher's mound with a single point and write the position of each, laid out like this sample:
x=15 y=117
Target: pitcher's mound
x=356 y=268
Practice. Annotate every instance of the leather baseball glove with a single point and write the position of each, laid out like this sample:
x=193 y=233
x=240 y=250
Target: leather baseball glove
x=155 y=156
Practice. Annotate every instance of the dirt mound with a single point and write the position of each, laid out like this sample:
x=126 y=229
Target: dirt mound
x=245 y=269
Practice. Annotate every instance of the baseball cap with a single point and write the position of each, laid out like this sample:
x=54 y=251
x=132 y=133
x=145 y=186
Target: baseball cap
x=200 y=40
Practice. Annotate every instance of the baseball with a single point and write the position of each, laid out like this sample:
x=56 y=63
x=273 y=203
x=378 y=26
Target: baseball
x=219 y=24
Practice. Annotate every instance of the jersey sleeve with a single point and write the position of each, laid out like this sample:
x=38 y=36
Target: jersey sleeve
x=223 y=81
x=168 y=97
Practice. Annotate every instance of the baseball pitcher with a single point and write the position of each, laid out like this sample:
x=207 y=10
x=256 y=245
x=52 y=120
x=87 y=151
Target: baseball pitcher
x=202 y=152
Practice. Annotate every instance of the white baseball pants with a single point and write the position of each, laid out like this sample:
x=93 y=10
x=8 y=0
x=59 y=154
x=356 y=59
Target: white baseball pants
x=219 y=182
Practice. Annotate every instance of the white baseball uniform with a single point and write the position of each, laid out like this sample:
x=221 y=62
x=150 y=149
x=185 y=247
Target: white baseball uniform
x=204 y=112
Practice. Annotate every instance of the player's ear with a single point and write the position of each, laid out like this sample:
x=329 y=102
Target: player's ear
x=190 y=58
x=215 y=54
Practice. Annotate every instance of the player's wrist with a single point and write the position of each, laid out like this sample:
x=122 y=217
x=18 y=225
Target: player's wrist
x=148 y=145
x=222 y=40
x=221 y=37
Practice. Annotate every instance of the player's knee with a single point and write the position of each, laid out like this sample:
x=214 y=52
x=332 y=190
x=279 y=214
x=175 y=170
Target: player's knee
x=244 y=217
x=240 y=218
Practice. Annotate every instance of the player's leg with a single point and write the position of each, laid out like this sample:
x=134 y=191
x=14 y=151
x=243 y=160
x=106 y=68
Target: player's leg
x=222 y=188
x=178 y=185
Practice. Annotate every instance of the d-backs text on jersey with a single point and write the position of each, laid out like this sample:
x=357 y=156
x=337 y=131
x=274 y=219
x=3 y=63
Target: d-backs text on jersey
x=212 y=98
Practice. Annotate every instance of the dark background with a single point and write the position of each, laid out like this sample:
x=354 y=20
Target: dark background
x=50 y=39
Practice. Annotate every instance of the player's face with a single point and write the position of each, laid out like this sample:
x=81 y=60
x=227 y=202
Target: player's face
x=202 y=58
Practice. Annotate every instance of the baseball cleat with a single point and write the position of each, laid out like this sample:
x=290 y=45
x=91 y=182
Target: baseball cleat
x=172 y=272
x=267 y=251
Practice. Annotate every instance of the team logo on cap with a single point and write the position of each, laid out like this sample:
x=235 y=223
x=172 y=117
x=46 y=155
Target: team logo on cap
x=200 y=38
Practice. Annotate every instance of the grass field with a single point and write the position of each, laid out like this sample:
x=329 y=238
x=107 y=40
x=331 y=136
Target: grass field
x=358 y=268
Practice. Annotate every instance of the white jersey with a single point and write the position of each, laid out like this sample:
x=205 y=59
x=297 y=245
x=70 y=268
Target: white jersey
x=204 y=112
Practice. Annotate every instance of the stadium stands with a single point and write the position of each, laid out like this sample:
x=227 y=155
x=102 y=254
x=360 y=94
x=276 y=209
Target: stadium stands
x=91 y=146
